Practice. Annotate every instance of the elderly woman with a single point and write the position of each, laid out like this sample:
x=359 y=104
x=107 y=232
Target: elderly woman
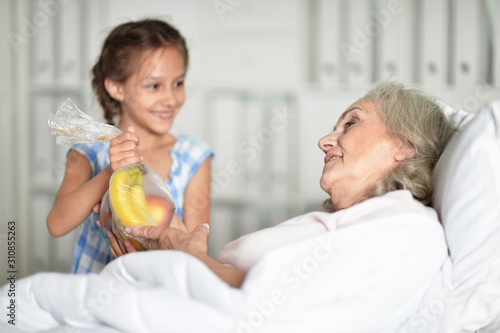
x=374 y=262
x=389 y=140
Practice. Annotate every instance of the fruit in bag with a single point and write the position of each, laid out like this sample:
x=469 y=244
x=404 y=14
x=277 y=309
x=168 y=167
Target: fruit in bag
x=159 y=208
x=136 y=195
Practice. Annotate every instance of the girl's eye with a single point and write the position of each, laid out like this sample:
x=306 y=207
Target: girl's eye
x=179 y=84
x=153 y=86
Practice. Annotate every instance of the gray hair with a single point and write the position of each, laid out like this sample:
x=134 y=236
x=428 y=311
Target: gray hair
x=414 y=117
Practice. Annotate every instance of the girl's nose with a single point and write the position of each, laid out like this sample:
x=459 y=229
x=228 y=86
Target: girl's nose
x=327 y=142
x=169 y=97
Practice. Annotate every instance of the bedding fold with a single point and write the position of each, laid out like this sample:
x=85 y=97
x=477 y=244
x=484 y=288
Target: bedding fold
x=373 y=274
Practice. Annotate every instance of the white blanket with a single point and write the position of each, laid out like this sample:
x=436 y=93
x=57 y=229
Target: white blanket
x=371 y=274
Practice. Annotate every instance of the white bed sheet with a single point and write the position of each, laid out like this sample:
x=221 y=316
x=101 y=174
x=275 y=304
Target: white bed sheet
x=374 y=275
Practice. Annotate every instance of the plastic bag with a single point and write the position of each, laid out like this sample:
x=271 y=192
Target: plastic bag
x=136 y=195
x=70 y=125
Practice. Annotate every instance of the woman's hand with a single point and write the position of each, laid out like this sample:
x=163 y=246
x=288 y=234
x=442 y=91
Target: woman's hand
x=155 y=241
x=195 y=243
x=123 y=150
x=176 y=222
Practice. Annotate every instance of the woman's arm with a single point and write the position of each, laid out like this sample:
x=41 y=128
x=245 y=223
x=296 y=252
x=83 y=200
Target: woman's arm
x=194 y=243
x=232 y=276
x=197 y=198
x=77 y=195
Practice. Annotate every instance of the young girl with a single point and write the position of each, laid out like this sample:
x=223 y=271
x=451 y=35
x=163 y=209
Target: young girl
x=139 y=78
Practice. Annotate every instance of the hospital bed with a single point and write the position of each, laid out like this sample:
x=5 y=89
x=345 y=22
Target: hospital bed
x=467 y=200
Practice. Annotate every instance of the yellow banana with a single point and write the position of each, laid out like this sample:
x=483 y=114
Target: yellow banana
x=123 y=204
x=128 y=199
x=140 y=178
x=134 y=174
x=141 y=206
x=119 y=195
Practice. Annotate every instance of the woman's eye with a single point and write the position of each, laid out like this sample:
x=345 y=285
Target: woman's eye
x=153 y=86
x=349 y=124
x=179 y=84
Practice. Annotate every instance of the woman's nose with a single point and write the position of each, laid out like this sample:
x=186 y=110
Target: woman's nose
x=327 y=142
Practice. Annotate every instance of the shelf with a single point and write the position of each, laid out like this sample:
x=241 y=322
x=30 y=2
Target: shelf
x=59 y=90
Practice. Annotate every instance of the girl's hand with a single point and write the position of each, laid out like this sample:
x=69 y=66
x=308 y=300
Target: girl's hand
x=123 y=150
x=97 y=208
x=119 y=248
x=116 y=246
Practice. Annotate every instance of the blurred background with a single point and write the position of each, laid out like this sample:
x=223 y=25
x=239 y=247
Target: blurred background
x=267 y=79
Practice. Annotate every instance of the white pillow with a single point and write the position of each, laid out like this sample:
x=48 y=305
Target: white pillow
x=467 y=199
x=459 y=117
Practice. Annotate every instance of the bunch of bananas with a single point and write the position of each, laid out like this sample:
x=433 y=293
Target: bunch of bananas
x=128 y=200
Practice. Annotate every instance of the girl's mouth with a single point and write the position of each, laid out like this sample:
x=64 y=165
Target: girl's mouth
x=163 y=115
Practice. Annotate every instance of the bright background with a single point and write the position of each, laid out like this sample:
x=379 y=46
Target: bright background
x=252 y=62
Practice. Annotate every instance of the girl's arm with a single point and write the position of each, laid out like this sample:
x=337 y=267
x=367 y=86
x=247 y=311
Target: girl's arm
x=197 y=198
x=77 y=195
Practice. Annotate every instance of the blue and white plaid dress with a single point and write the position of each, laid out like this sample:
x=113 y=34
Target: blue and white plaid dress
x=92 y=247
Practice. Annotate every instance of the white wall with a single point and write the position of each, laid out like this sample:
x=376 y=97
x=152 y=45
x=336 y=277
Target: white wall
x=251 y=62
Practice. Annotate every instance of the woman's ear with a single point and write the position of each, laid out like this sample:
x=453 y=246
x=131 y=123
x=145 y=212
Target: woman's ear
x=404 y=152
x=114 y=89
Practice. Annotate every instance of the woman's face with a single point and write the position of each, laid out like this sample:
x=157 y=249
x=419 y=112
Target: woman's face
x=359 y=152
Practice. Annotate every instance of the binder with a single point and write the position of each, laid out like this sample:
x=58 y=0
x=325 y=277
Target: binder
x=255 y=15
x=223 y=225
x=254 y=60
x=283 y=120
x=70 y=37
x=318 y=116
x=358 y=49
x=61 y=252
x=39 y=238
x=39 y=26
x=253 y=147
x=468 y=49
x=192 y=118
x=13 y=41
x=92 y=37
x=222 y=140
x=496 y=45
x=41 y=141
x=328 y=30
x=435 y=41
x=396 y=46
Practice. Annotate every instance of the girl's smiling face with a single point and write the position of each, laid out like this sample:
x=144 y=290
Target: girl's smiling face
x=153 y=94
x=359 y=152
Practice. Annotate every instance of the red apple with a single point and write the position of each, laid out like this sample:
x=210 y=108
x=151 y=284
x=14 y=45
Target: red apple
x=160 y=210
